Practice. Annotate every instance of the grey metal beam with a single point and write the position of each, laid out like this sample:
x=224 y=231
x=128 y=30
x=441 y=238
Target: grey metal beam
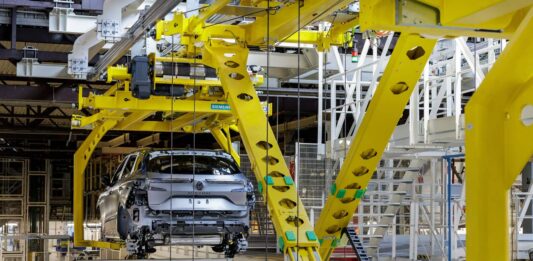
x=35 y=35
x=17 y=55
x=35 y=116
x=38 y=94
x=37 y=80
x=14 y=28
x=86 y=5
x=25 y=17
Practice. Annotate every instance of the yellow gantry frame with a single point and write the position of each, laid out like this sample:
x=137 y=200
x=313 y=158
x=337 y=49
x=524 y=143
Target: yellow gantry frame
x=498 y=144
x=81 y=158
x=492 y=116
x=119 y=110
x=392 y=94
x=296 y=235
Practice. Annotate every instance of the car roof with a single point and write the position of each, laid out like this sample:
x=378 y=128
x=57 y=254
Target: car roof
x=197 y=152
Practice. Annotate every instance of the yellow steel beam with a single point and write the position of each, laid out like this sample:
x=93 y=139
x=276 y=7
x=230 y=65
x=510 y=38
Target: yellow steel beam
x=284 y=22
x=426 y=18
x=478 y=12
x=498 y=145
x=206 y=13
x=296 y=236
x=203 y=126
x=104 y=244
x=186 y=81
x=188 y=119
x=323 y=40
x=132 y=118
x=123 y=100
x=79 y=121
x=224 y=140
x=392 y=94
x=81 y=158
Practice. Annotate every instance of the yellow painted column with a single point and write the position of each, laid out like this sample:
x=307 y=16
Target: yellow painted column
x=295 y=234
x=81 y=158
x=498 y=145
x=392 y=95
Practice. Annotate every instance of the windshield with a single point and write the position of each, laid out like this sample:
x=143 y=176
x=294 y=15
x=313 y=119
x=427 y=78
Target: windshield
x=183 y=164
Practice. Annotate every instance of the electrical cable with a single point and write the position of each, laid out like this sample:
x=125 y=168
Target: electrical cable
x=345 y=107
x=171 y=150
x=194 y=156
x=267 y=125
x=296 y=167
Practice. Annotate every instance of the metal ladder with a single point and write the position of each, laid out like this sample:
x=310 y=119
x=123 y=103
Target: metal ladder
x=356 y=243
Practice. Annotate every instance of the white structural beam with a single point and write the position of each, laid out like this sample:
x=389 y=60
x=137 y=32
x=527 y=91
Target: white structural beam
x=64 y=20
x=280 y=60
x=320 y=92
x=30 y=67
x=470 y=59
x=118 y=15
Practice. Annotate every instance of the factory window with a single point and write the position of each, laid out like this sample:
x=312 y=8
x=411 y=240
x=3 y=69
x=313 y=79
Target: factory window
x=37 y=165
x=12 y=258
x=14 y=168
x=10 y=187
x=10 y=207
x=9 y=227
x=36 y=219
x=37 y=188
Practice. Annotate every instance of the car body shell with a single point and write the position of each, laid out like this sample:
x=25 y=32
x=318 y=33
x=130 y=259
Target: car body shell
x=190 y=208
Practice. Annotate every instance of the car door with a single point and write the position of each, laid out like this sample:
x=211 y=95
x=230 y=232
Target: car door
x=125 y=183
x=118 y=195
x=107 y=203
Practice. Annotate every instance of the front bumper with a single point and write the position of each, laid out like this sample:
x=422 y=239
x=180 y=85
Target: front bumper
x=199 y=227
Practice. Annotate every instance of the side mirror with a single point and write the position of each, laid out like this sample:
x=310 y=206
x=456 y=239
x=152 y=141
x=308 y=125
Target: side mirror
x=105 y=180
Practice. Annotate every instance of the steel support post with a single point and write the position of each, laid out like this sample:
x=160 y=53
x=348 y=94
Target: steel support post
x=498 y=145
x=14 y=28
x=391 y=96
x=296 y=236
x=320 y=95
x=333 y=119
x=427 y=100
x=458 y=91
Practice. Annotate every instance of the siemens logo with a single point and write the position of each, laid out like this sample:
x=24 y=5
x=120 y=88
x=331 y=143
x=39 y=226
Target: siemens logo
x=220 y=107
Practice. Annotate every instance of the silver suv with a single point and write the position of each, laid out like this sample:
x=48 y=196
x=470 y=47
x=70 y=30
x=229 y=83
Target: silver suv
x=180 y=197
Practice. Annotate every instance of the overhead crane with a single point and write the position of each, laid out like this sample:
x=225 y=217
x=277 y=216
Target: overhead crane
x=132 y=99
x=225 y=48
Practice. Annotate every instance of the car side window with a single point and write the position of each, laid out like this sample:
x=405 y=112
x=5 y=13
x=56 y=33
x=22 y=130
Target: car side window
x=118 y=172
x=129 y=166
